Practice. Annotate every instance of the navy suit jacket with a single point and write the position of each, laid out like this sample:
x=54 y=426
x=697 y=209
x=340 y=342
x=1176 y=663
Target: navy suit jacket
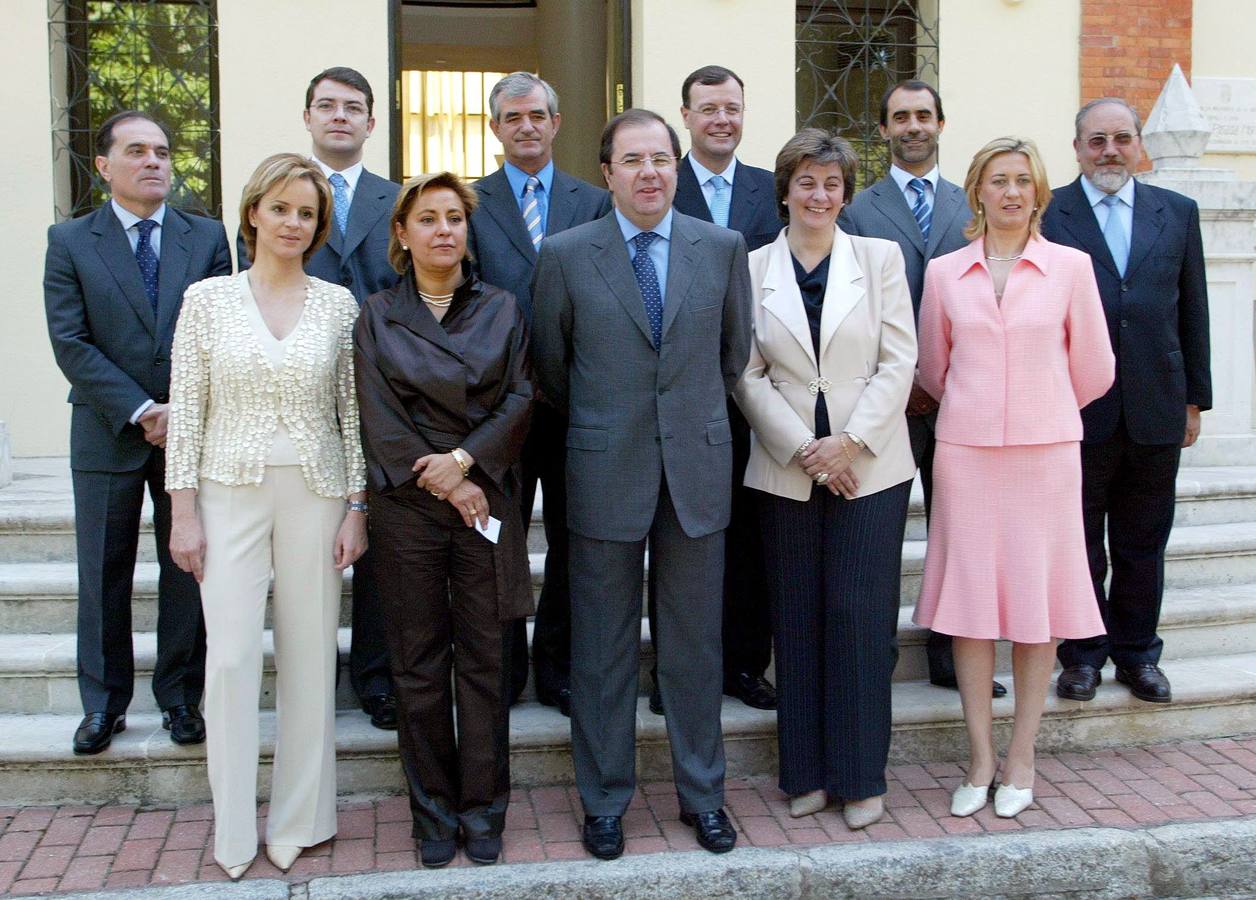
x=881 y=211
x=751 y=211
x=109 y=344
x=1157 y=314
x=358 y=259
x=502 y=253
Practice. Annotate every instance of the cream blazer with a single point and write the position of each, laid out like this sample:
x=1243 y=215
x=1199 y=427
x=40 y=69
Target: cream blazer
x=866 y=365
x=226 y=397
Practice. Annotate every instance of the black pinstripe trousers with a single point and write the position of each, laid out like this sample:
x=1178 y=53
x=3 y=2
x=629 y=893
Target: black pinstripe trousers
x=833 y=570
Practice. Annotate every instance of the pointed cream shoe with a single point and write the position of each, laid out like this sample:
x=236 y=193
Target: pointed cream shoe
x=282 y=855
x=968 y=798
x=1010 y=802
x=862 y=813
x=808 y=804
x=235 y=873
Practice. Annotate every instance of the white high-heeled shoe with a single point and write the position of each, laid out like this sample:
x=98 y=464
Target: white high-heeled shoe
x=235 y=873
x=808 y=804
x=282 y=855
x=968 y=798
x=1010 y=801
x=862 y=813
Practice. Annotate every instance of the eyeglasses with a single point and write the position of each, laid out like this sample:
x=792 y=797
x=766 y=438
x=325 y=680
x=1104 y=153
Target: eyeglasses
x=1122 y=139
x=352 y=109
x=710 y=110
x=661 y=162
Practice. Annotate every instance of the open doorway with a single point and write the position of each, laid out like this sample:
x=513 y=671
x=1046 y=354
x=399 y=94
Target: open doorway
x=447 y=56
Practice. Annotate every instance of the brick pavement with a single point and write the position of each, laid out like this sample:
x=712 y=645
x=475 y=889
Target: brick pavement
x=67 y=848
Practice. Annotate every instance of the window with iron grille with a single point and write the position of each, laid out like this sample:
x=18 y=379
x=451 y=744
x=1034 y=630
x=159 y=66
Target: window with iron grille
x=847 y=54
x=157 y=56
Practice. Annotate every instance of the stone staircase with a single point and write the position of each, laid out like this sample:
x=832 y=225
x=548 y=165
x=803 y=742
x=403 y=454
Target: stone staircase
x=1208 y=623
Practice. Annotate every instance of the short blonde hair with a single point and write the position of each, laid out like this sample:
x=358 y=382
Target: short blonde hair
x=279 y=171
x=398 y=257
x=977 y=168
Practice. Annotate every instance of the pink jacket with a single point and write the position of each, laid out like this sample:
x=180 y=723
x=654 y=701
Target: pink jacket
x=1019 y=372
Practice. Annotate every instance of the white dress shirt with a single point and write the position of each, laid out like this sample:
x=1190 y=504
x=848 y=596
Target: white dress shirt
x=1125 y=209
x=351 y=175
x=704 y=176
x=129 y=222
x=902 y=177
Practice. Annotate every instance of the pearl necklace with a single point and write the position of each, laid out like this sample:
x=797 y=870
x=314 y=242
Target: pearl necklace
x=1005 y=258
x=437 y=300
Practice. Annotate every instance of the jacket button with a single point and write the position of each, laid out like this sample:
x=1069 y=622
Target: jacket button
x=1124 y=288
x=1125 y=323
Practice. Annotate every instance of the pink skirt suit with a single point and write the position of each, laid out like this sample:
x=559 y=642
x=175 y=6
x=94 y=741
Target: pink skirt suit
x=1006 y=556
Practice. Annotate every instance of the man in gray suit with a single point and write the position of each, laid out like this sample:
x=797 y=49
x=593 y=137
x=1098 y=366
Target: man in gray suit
x=926 y=216
x=523 y=202
x=113 y=285
x=641 y=327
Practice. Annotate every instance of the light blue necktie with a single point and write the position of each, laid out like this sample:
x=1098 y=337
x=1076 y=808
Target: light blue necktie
x=146 y=257
x=1114 y=233
x=720 y=201
x=340 y=200
x=648 y=282
x=532 y=210
x=923 y=211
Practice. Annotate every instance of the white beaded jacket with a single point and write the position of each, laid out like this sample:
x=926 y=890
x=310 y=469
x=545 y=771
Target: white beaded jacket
x=226 y=398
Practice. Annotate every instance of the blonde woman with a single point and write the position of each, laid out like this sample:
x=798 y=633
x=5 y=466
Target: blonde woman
x=265 y=473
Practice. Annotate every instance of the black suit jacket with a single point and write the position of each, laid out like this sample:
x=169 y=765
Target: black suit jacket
x=502 y=253
x=881 y=211
x=357 y=260
x=1157 y=314
x=751 y=211
x=111 y=347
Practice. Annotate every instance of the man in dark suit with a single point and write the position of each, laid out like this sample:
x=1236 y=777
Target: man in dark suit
x=339 y=115
x=715 y=186
x=640 y=330
x=926 y=215
x=522 y=203
x=1148 y=256
x=113 y=285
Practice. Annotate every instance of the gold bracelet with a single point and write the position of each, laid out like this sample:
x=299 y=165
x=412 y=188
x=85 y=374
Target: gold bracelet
x=460 y=457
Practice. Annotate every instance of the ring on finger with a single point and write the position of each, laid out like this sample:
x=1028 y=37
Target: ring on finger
x=822 y=478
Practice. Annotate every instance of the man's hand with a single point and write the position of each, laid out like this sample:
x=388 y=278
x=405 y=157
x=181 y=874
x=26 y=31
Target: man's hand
x=154 y=421
x=920 y=403
x=1192 y=425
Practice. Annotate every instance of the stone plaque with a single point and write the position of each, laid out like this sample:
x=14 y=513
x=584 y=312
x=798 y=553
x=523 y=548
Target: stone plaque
x=1230 y=105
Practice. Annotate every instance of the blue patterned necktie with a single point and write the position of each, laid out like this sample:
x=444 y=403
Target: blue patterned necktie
x=720 y=201
x=340 y=200
x=648 y=282
x=147 y=259
x=532 y=210
x=1114 y=233
x=923 y=211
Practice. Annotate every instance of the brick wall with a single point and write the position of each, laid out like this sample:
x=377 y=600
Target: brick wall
x=1129 y=47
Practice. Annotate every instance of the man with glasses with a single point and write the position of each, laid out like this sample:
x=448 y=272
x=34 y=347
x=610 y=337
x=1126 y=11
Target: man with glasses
x=339 y=115
x=1148 y=257
x=641 y=329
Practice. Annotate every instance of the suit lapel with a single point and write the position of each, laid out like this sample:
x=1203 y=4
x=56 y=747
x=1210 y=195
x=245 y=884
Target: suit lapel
x=562 y=203
x=172 y=268
x=1148 y=223
x=370 y=202
x=890 y=201
x=782 y=298
x=744 y=205
x=500 y=203
x=681 y=254
x=1078 y=218
x=610 y=258
x=408 y=311
x=948 y=200
x=116 y=253
x=689 y=192
x=842 y=291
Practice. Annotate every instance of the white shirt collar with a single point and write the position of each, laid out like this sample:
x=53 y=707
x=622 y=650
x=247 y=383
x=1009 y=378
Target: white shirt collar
x=1095 y=196
x=902 y=176
x=704 y=174
x=351 y=174
x=129 y=219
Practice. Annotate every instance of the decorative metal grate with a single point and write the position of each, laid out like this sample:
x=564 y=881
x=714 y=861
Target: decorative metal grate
x=159 y=56
x=848 y=54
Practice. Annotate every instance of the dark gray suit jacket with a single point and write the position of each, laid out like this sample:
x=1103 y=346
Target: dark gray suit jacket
x=638 y=414
x=112 y=349
x=881 y=211
x=358 y=259
x=752 y=210
x=501 y=251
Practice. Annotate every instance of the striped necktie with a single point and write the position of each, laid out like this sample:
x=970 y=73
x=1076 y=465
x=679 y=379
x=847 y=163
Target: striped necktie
x=532 y=210
x=923 y=210
x=720 y=201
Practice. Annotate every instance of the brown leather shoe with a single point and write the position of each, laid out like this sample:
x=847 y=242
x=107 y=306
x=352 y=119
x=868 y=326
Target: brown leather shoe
x=1078 y=682
x=1146 y=682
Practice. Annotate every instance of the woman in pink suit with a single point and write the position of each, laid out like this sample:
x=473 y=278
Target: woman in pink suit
x=1013 y=343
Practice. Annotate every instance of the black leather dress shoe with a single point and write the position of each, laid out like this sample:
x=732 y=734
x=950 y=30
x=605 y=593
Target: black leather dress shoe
x=951 y=683
x=435 y=854
x=603 y=836
x=185 y=724
x=1146 y=682
x=560 y=698
x=752 y=690
x=96 y=732
x=713 y=830
x=382 y=708
x=484 y=850
x=1078 y=682
x=656 y=701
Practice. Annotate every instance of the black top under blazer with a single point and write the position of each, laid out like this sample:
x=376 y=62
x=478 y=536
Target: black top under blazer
x=1157 y=314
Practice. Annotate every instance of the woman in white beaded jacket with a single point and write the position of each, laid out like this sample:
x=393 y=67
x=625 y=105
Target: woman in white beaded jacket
x=265 y=473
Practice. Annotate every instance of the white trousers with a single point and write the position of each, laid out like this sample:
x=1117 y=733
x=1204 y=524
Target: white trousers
x=279 y=525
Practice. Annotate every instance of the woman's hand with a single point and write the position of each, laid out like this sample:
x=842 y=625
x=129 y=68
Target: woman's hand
x=470 y=502
x=187 y=537
x=826 y=455
x=439 y=474
x=350 y=540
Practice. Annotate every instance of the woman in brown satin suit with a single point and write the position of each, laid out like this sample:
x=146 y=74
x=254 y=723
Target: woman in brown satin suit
x=445 y=400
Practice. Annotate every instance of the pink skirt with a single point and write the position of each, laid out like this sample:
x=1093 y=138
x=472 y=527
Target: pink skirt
x=1007 y=553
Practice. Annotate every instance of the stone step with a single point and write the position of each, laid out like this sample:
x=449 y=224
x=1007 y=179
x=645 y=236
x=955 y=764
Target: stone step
x=37 y=509
x=41 y=597
x=1211 y=696
x=38 y=671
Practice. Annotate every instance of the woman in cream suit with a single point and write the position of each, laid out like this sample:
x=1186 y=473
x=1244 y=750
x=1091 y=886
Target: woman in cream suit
x=263 y=455
x=830 y=370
